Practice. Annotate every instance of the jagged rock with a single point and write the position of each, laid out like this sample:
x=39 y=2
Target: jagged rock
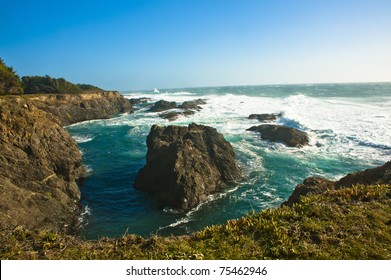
x=315 y=185
x=186 y=164
x=193 y=104
x=187 y=108
x=162 y=105
x=377 y=175
x=290 y=136
x=40 y=164
x=173 y=115
x=141 y=100
x=264 y=117
x=73 y=108
x=310 y=185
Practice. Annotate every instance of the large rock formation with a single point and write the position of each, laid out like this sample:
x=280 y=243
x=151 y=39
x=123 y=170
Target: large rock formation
x=288 y=135
x=186 y=164
x=73 y=108
x=40 y=164
x=162 y=105
x=315 y=185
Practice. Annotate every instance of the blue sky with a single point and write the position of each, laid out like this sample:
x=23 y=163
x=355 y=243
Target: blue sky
x=170 y=43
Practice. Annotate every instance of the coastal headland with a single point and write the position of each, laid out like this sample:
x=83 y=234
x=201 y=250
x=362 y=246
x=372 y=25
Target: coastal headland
x=41 y=168
x=41 y=165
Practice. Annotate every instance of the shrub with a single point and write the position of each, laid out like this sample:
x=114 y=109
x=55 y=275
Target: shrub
x=9 y=81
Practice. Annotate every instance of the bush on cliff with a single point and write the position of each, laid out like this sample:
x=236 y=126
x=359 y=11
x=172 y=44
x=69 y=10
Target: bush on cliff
x=9 y=81
x=87 y=87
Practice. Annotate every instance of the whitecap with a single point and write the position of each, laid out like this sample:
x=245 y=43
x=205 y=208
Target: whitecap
x=83 y=217
x=82 y=138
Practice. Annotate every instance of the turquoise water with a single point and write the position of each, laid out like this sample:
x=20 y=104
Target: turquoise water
x=349 y=127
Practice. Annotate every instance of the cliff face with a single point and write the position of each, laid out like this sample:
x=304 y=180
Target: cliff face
x=73 y=108
x=40 y=164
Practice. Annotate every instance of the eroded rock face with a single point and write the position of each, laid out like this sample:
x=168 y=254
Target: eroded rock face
x=313 y=185
x=290 y=136
x=186 y=164
x=377 y=175
x=40 y=164
x=73 y=108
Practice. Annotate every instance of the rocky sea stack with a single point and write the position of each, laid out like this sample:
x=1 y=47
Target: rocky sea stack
x=186 y=164
x=290 y=136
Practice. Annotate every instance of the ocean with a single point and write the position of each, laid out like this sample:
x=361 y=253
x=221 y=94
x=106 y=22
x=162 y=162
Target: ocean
x=349 y=126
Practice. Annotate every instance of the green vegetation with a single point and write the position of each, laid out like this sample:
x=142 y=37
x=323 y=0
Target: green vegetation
x=47 y=84
x=9 y=81
x=351 y=223
x=86 y=87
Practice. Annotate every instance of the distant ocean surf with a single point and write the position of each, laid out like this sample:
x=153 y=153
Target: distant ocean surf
x=349 y=127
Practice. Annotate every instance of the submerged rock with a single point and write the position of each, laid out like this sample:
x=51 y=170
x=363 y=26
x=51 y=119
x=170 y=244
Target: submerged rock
x=173 y=115
x=290 y=136
x=264 y=117
x=186 y=164
x=140 y=100
x=187 y=108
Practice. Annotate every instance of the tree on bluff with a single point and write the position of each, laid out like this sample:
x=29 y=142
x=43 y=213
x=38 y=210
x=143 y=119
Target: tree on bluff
x=9 y=80
x=47 y=84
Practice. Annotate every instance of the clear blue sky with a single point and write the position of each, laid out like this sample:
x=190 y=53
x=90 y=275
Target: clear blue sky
x=134 y=44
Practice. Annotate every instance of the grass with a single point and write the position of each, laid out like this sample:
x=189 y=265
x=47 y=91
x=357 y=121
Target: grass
x=351 y=223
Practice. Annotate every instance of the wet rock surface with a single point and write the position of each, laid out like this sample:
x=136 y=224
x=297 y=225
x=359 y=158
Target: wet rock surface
x=290 y=136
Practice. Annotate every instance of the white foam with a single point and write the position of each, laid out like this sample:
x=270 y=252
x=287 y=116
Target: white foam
x=83 y=221
x=349 y=127
x=189 y=215
x=82 y=138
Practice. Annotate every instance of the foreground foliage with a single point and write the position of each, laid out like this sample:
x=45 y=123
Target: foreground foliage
x=351 y=223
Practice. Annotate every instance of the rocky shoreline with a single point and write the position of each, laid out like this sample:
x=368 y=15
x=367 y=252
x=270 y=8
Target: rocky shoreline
x=74 y=108
x=40 y=163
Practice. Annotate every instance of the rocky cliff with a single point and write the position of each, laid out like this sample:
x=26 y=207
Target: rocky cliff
x=316 y=185
x=40 y=164
x=73 y=108
x=186 y=164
